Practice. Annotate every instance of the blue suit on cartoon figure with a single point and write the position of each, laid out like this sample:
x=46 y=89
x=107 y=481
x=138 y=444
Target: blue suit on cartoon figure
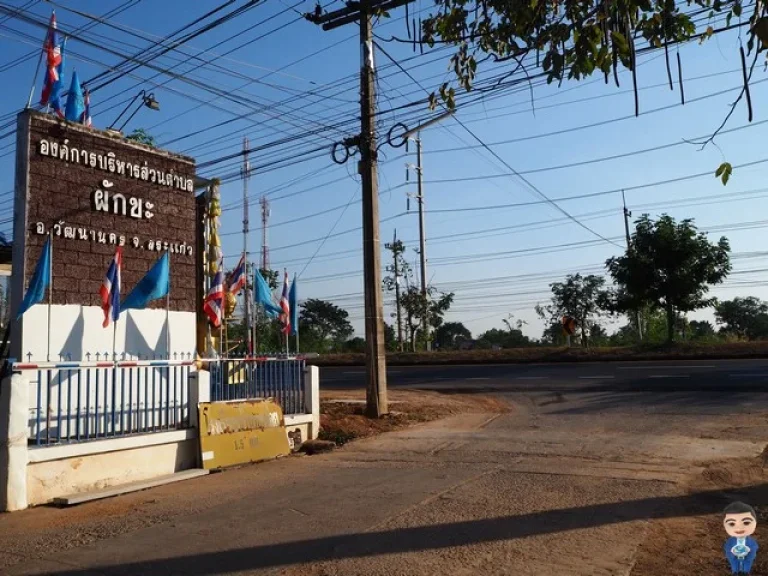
x=740 y=548
x=740 y=553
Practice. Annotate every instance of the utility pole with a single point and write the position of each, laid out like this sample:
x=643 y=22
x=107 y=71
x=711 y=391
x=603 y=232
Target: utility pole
x=396 y=256
x=627 y=215
x=375 y=359
x=246 y=293
x=422 y=244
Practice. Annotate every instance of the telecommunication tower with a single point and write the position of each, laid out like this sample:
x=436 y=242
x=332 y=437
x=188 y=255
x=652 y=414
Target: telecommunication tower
x=265 y=212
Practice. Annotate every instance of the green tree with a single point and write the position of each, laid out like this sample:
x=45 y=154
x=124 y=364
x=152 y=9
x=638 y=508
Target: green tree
x=743 y=317
x=355 y=345
x=553 y=335
x=450 y=335
x=702 y=330
x=510 y=338
x=390 y=338
x=404 y=273
x=142 y=137
x=573 y=39
x=668 y=266
x=418 y=307
x=580 y=297
x=325 y=323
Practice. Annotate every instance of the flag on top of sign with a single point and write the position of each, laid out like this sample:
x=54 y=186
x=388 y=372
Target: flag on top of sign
x=285 y=306
x=238 y=277
x=52 y=50
x=75 y=101
x=87 y=113
x=110 y=289
x=56 y=99
x=214 y=300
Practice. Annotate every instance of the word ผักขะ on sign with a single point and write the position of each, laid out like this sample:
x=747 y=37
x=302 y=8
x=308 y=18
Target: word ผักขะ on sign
x=117 y=203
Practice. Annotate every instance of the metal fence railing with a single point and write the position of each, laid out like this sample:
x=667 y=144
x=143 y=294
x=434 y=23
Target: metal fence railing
x=248 y=378
x=86 y=401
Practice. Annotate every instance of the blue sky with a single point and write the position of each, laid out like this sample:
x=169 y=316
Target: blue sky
x=302 y=79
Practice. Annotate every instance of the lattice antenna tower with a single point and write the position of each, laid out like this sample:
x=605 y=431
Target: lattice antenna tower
x=265 y=212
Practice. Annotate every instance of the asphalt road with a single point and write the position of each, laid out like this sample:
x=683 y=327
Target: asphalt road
x=725 y=375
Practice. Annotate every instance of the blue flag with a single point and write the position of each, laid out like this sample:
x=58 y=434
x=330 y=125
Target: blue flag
x=264 y=296
x=292 y=297
x=155 y=284
x=75 y=100
x=40 y=280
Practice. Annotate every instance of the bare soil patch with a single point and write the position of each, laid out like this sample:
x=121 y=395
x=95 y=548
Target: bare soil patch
x=342 y=413
x=691 y=541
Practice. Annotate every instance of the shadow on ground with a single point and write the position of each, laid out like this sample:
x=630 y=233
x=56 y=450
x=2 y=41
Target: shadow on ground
x=433 y=537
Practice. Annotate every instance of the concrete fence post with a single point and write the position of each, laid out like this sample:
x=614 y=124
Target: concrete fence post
x=199 y=391
x=312 y=399
x=14 y=414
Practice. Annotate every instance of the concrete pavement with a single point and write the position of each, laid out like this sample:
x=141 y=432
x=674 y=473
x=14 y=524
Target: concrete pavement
x=563 y=484
x=733 y=375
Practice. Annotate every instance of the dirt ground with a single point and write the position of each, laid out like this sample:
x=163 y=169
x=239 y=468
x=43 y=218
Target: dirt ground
x=692 y=545
x=524 y=483
x=342 y=415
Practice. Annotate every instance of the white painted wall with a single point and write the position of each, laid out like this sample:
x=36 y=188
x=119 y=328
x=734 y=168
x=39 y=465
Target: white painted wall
x=77 y=330
x=52 y=479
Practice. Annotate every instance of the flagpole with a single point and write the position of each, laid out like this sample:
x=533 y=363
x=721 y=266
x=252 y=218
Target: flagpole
x=34 y=83
x=50 y=289
x=168 y=310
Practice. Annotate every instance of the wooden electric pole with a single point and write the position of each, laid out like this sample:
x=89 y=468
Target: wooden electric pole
x=627 y=214
x=396 y=256
x=375 y=359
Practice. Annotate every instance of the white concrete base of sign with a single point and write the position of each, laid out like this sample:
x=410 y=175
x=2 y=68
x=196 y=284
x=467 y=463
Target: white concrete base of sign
x=128 y=488
x=48 y=480
x=77 y=331
x=14 y=403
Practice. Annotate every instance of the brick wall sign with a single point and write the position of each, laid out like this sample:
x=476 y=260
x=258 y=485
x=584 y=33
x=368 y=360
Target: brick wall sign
x=97 y=192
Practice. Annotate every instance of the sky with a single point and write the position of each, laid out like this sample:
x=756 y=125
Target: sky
x=491 y=239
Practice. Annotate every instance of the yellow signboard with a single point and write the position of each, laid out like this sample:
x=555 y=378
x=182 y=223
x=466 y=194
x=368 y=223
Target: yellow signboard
x=239 y=432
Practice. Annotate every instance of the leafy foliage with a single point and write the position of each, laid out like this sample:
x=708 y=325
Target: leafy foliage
x=743 y=317
x=668 y=266
x=581 y=297
x=419 y=307
x=571 y=39
x=450 y=335
x=404 y=272
x=511 y=338
x=142 y=137
x=324 y=324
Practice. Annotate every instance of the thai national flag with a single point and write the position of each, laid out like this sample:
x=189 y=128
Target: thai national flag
x=285 y=306
x=110 y=289
x=238 y=277
x=214 y=301
x=52 y=50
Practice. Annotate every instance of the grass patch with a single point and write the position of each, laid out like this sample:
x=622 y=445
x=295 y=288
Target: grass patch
x=682 y=351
